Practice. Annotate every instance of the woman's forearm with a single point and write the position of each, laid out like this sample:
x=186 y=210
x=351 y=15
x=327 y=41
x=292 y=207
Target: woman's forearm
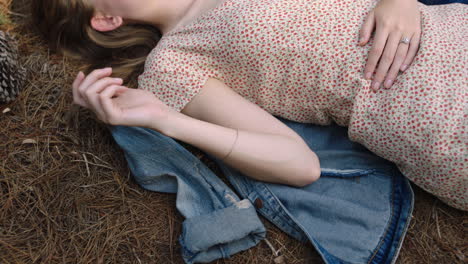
x=266 y=157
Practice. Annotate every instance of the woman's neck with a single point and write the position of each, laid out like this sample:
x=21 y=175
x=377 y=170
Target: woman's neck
x=178 y=19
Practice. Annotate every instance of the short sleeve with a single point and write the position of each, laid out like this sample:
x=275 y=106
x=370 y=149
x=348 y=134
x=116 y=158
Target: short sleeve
x=174 y=88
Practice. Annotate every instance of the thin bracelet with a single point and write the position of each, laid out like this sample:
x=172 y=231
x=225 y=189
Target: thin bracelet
x=232 y=147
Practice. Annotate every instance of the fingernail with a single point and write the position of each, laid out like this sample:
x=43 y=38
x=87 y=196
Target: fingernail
x=368 y=75
x=403 y=67
x=388 y=83
x=376 y=85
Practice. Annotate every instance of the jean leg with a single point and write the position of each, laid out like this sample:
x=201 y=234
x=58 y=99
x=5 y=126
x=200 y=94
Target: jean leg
x=218 y=224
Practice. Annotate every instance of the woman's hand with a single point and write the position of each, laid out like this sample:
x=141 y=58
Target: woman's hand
x=118 y=105
x=393 y=20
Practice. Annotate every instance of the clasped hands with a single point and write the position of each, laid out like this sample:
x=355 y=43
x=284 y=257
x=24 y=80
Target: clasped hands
x=395 y=22
x=115 y=104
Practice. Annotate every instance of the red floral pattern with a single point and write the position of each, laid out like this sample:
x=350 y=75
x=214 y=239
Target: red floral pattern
x=299 y=59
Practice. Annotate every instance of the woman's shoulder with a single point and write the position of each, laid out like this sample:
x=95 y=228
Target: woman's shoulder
x=167 y=65
x=162 y=60
x=171 y=78
x=155 y=57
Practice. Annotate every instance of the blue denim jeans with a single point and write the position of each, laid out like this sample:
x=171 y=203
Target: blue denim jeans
x=358 y=212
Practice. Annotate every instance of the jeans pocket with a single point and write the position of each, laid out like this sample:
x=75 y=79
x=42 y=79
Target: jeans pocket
x=326 y=172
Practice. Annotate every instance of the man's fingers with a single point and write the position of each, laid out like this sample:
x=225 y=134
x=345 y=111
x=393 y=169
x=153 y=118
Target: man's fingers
x=380 y=39
x=366 y=29
x=386 y=60
x=397 y=62
x=413 y=49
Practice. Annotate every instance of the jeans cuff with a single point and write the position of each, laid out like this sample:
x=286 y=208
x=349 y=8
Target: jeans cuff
x=222 y=233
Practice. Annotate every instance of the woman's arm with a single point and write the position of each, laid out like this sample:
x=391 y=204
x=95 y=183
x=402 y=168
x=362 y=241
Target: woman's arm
x=263 y=147
x=217 y=120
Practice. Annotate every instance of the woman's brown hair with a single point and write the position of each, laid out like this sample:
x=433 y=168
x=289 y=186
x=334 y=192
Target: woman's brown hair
x=66 y=26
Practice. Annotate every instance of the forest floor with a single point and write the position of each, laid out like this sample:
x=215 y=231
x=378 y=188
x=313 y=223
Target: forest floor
x=66 y=194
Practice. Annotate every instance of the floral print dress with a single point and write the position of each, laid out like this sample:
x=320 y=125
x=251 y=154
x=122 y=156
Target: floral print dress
x=299 y=59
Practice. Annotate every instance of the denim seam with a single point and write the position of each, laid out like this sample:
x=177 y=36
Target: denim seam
x=155 y=179
x=288 y=219
x=234 y=179
x=221 y=199
x=385 y=233
x=190 y=254
x=283 y=212
x=300 y=229
x=223 y=252
x=268 y=191
x=339 y=173
x=151 y=181
x=402 y=237
x=195 y=168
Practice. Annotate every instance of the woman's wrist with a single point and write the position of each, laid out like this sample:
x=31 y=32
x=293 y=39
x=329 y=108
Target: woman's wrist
x=211 y=138
x=171 y=125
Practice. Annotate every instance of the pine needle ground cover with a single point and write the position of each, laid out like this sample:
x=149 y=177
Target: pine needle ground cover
x=66 y=194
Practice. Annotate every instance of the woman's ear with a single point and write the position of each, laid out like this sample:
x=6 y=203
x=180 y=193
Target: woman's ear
x=106 y=23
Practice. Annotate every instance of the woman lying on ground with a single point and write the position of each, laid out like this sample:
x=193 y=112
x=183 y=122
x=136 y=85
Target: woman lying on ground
x=222 y=69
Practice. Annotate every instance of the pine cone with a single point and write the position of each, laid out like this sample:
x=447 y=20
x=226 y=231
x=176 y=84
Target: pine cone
x=12 y=75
